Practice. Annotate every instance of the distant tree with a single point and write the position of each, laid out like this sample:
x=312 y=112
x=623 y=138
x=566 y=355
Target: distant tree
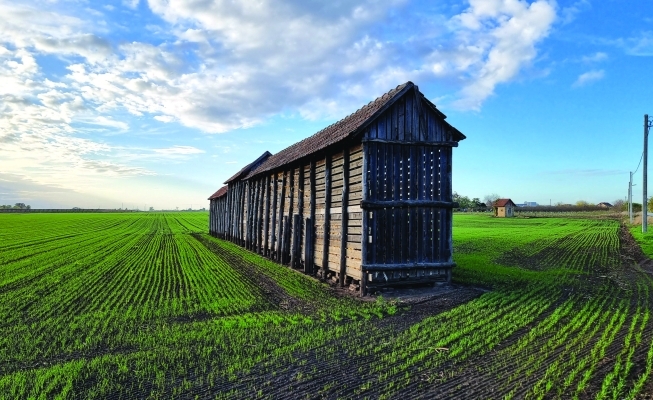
x=477 y=203
x=650 y=204
x=490 y=199
x=559 y=204
x=582 y=203
x=463 y=201
x=619 y=205
x=151 y=208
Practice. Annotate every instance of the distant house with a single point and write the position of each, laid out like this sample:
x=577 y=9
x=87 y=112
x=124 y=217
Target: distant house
x=504 y=208
x=605 y=205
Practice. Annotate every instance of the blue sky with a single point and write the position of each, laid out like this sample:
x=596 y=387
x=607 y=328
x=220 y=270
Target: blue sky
x=155 y=103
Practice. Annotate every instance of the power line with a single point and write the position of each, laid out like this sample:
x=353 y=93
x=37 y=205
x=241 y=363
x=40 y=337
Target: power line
x=640 y=163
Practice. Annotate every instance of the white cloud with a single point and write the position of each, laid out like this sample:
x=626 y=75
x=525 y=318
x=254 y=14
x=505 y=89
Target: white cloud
x=589 y=77
x=594 y=58
x=495 y=40
x=131 y=3
x=568 y=14
x=179 y=150
x=641 y=45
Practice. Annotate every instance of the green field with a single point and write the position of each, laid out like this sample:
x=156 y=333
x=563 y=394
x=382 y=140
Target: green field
x=147 y=305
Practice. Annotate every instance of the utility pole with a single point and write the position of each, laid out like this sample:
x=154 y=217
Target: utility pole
x=630 y=198
x=645 y=197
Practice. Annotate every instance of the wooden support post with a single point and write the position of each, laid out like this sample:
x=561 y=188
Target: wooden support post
x=266 y=216
x=291 y=202
x=232 y=213
x=327 y=216
x=300 y=211
x=296 y=239
x=241 y=220
x=273 y=213
x=344 y=216
x=285 y=252
x=308 y=247
x=282 y=201
x=229 y=209
x=365 y=230
x=310 y=224
x=259 y=217
x=249 y=192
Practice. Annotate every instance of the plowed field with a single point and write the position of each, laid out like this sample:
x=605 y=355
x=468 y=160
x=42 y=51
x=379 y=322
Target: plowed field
x=149 y=306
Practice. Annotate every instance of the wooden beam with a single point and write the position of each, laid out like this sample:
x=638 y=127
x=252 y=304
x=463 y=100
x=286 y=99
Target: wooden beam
x=411 y=142
x=327 y=216
x=371 y=205
x=344 y=216
x=383 y=267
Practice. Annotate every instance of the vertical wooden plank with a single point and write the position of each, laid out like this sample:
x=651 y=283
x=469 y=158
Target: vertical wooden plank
x=296 y=237
x=282 y=200
x=230 y=192
x=242 y=213
x=449 y=211
x=248 y=216
x=344 y=216
x=414 y=228
x=259 y=215
x=297 y=223
x=291 y=200
x=273 y=212
x=327 y=216
x=366 y=221
x=310 y=226
x=395 y=121
x=266 y=216
x=379 y=132
x=401 y=115
x=409 y=135
x=308 y=244
x=400 y=178
x=372 y=193
x=282 y=242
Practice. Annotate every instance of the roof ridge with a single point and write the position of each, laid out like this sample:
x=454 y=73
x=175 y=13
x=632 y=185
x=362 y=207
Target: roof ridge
x=331 y=134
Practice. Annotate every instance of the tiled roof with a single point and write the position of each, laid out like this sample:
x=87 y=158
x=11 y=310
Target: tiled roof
x=332 y=134
x=247 y=168
x=221 y=192
x=503 y=202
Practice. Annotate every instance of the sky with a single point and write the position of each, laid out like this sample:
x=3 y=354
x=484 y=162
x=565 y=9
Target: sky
x=134 y=103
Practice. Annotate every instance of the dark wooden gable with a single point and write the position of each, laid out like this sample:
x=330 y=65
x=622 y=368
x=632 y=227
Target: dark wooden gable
x=412 y=119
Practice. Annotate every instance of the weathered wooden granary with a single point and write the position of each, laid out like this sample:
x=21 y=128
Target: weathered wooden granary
x=366 y=201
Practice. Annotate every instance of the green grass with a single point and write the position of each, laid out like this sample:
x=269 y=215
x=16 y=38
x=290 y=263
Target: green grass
x=147 y=305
